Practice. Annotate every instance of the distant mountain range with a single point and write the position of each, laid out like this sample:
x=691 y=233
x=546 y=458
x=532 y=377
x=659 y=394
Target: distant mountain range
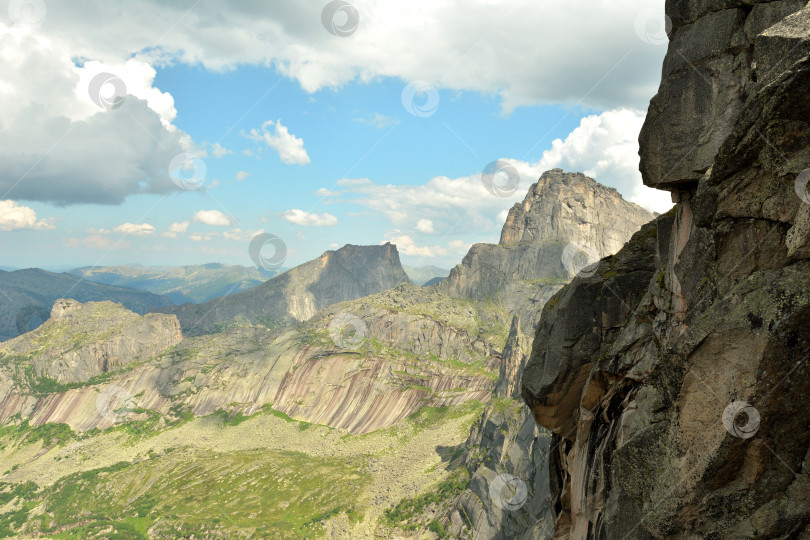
x=180 y=284
x=27 y=296
x=426 y=275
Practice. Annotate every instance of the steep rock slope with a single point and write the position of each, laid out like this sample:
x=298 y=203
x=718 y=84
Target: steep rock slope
x=296 y=295
x=180 y=284
x=26 y=298
x=565 y=222
x=675 y=376
x=506 y=455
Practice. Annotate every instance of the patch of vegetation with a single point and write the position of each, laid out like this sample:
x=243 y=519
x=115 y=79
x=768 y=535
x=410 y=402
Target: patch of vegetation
x=51 y=434
x=142 y=429
x=231 y=418
x=436 y=527
x=315 y=337
x=9 y=491
x=234 y=419
x=43 y=385
x=260 y=493
x=419 y=387
x=271 y=322
x=502 y=405
x=407 y=514
x=429 y=416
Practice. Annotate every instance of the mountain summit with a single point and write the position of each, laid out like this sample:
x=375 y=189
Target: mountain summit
x=565 y=222
x=296 y=295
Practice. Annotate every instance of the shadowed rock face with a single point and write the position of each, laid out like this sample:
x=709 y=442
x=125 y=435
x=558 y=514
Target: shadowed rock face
x=336 y=276
x=674 y=378
x=715 y=60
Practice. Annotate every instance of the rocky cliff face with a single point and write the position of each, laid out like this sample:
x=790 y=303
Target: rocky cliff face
x=674 y=376
x=508 y=494
x=296 y=295
x=513 y=361
x=361 y=365
x=565 y=222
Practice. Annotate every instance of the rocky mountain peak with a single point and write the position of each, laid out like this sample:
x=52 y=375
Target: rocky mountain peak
x=569 y=207
x=296 y=295
x=566 y=221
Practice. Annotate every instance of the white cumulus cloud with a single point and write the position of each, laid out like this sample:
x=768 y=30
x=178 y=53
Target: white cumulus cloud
x=407 y=246
x=213 y=217
x=289 y=147
x=14 y=216
x=176 y=229
x=580 y=50
x=219 y=151
x=302 y=217
x=133 y=229
x=57 y=145
x=425 y=226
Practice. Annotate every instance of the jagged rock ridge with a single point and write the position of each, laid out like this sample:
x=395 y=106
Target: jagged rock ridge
x=675 y=376
x=412 y=351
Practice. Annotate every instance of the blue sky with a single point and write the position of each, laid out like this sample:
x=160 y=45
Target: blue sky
x=314 y=137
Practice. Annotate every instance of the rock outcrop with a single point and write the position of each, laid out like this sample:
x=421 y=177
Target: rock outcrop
x=82 y=341
x=674 y=375
x=513 y=361
x=296 y=295
x=508 y=494
x=565 y=222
